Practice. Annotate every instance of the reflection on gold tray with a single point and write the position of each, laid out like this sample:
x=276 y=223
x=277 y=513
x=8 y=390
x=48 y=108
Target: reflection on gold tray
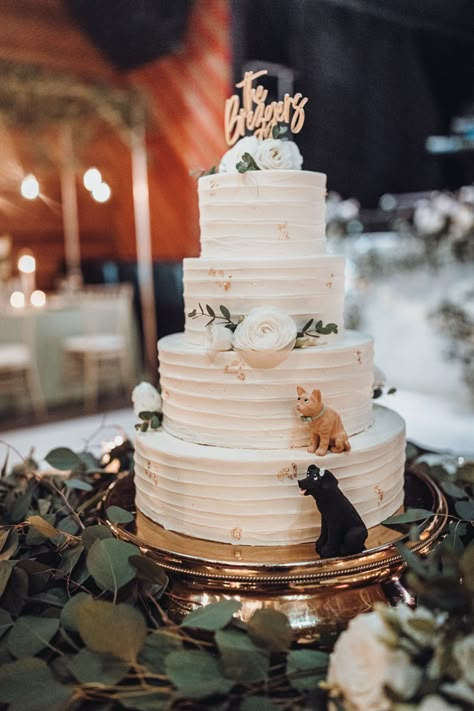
x=318 y=595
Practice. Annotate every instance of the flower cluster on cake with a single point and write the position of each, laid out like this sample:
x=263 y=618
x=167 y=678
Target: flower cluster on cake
x=264 y=308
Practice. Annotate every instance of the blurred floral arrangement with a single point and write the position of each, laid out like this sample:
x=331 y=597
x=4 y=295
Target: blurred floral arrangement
x=342 y=216
x=444 y=222
x=83 y=614
x=455 y=319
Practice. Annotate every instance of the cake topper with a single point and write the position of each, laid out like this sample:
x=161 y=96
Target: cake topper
x=343 y=532
x=257 y=116
x=325 y=425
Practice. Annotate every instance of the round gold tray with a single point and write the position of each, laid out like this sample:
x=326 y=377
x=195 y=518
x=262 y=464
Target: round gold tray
x=319 y=596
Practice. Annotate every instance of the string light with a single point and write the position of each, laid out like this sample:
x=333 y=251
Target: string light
x=101 y=192
x=38 y=298
x=17 y=300
x=29 y=187
x=92 y=178
x=27 y=264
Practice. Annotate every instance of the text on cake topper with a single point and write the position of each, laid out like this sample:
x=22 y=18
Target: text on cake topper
x=257 y=116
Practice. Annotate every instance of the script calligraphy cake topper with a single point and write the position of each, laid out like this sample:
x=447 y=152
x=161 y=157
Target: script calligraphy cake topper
x=257 y=116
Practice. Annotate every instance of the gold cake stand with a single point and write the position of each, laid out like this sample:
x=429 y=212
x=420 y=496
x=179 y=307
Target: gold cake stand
x=318 y=596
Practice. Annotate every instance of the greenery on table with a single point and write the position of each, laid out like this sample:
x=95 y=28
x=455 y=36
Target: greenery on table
x=82 y=613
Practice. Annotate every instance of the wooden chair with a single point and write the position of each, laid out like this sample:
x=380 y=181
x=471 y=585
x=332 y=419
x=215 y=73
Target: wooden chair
x=101 y=355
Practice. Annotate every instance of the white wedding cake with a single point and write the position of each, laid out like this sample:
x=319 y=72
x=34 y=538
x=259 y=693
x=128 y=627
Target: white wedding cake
x=224 y=464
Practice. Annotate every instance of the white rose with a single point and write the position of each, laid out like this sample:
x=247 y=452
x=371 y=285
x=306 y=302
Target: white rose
x=248 y=144
x=425 y=635
x=145 y=398
x=218 y=338
x=463 y=652
x=265 y=337
x=275 y=154
x=360 y=664
x=405 y=677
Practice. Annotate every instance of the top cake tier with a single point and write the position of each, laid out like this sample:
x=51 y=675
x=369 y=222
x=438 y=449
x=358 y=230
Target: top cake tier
x=258 y=213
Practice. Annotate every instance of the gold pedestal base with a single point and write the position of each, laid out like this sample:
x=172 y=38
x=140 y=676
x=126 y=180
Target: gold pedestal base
x=319 y=596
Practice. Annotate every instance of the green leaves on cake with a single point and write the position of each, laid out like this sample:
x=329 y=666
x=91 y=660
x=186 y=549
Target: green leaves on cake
x=263 y=338
x=310 y=331
x=246 y=163
x=251 y=153
x=147 y=406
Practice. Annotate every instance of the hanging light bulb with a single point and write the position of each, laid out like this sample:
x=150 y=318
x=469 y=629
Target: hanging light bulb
x=92 y=178
x=38 y=298
x=101 y=192
x=17 y=300
x=29 y=187
x=27 y=264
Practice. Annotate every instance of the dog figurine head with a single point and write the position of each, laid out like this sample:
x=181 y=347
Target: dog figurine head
x=316 y=481
x=309 y=404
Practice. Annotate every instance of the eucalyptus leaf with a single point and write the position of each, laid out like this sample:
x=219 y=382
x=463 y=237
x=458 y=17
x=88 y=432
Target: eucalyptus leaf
x=20 y=507
x=64 y=459
x=69 y=525
x=196 y=674
x=149 y=571
x=144 y=700
x=465 y=509
x=92 y=668
x=158 y=645
x=70 y=611
x=225 y=312
x=70 y=558
x=452 y=489
x=9 y=550
x=306 y=668
x=467 y=567
x=6 y=567
x=42 y=526
x=28 y=685
x=210 y=311
x=118 y=515
x=106 y=628
x=91 y=534
x=16 y=591
x=408 y=516
x=270 y=629
x=241 y=659
x=108 y=563
x=30 y=634
x=79 y=484
x=212 y=617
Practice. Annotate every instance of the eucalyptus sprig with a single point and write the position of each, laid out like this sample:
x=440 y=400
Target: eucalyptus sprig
x=246 y=163
x=281 y=131
x=316 y=330
x=149 y=420
x=224 y=318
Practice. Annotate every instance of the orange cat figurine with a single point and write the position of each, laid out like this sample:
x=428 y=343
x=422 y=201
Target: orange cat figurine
x=325 y=425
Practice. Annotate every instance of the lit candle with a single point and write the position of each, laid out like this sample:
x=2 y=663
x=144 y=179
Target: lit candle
x=27 y=269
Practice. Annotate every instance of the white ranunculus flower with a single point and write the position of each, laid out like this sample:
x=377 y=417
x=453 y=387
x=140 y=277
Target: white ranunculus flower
x=425 y=635
x=146 y=398
x=360 y=664
x=218 y=338
x=463 y=652
x=265 y=337
x=405 y=677
x=248 y=144
x=276 y=154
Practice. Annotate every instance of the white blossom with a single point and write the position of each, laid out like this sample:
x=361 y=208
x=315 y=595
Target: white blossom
x=427 y=219
x=265 y=337
x=276 y=154
x=248 y=144
x=146 y=398
x=218 y=338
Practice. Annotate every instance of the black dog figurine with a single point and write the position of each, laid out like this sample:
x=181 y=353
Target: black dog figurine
x=342 y=530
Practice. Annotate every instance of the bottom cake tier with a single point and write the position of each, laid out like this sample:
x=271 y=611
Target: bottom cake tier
x=251 y=497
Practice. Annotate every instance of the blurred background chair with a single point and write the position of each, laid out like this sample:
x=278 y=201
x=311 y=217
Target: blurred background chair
x=18 y=371
x=101 y=358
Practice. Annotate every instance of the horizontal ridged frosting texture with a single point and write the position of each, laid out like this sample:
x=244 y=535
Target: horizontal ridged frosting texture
x=302 y=287
x=217 y=399
x=262 y=213
x=251 y=497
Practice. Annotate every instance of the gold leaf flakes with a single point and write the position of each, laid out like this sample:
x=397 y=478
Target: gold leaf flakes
x=380 y=494
x=290 y=472
x=238 y=554
x=329 y=284
x=283 y=231
x=236 y=533
x=358 y=355
x=226 y=285
x=165 y=394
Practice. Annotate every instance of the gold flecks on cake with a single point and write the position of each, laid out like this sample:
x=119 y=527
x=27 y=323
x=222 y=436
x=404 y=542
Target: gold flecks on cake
x=153 y=476
x=358 y=355
x=290 y=472
x=380 y=494
x=216 y=272
x=224 y=281
x=329 y=284
x=236 y=533
x=283 y=231
x=236 y=367
x=238 y=554
x=165 y=394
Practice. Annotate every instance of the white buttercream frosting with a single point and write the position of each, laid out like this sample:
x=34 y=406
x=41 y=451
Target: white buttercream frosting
x=219 y=399
x=208 y=492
